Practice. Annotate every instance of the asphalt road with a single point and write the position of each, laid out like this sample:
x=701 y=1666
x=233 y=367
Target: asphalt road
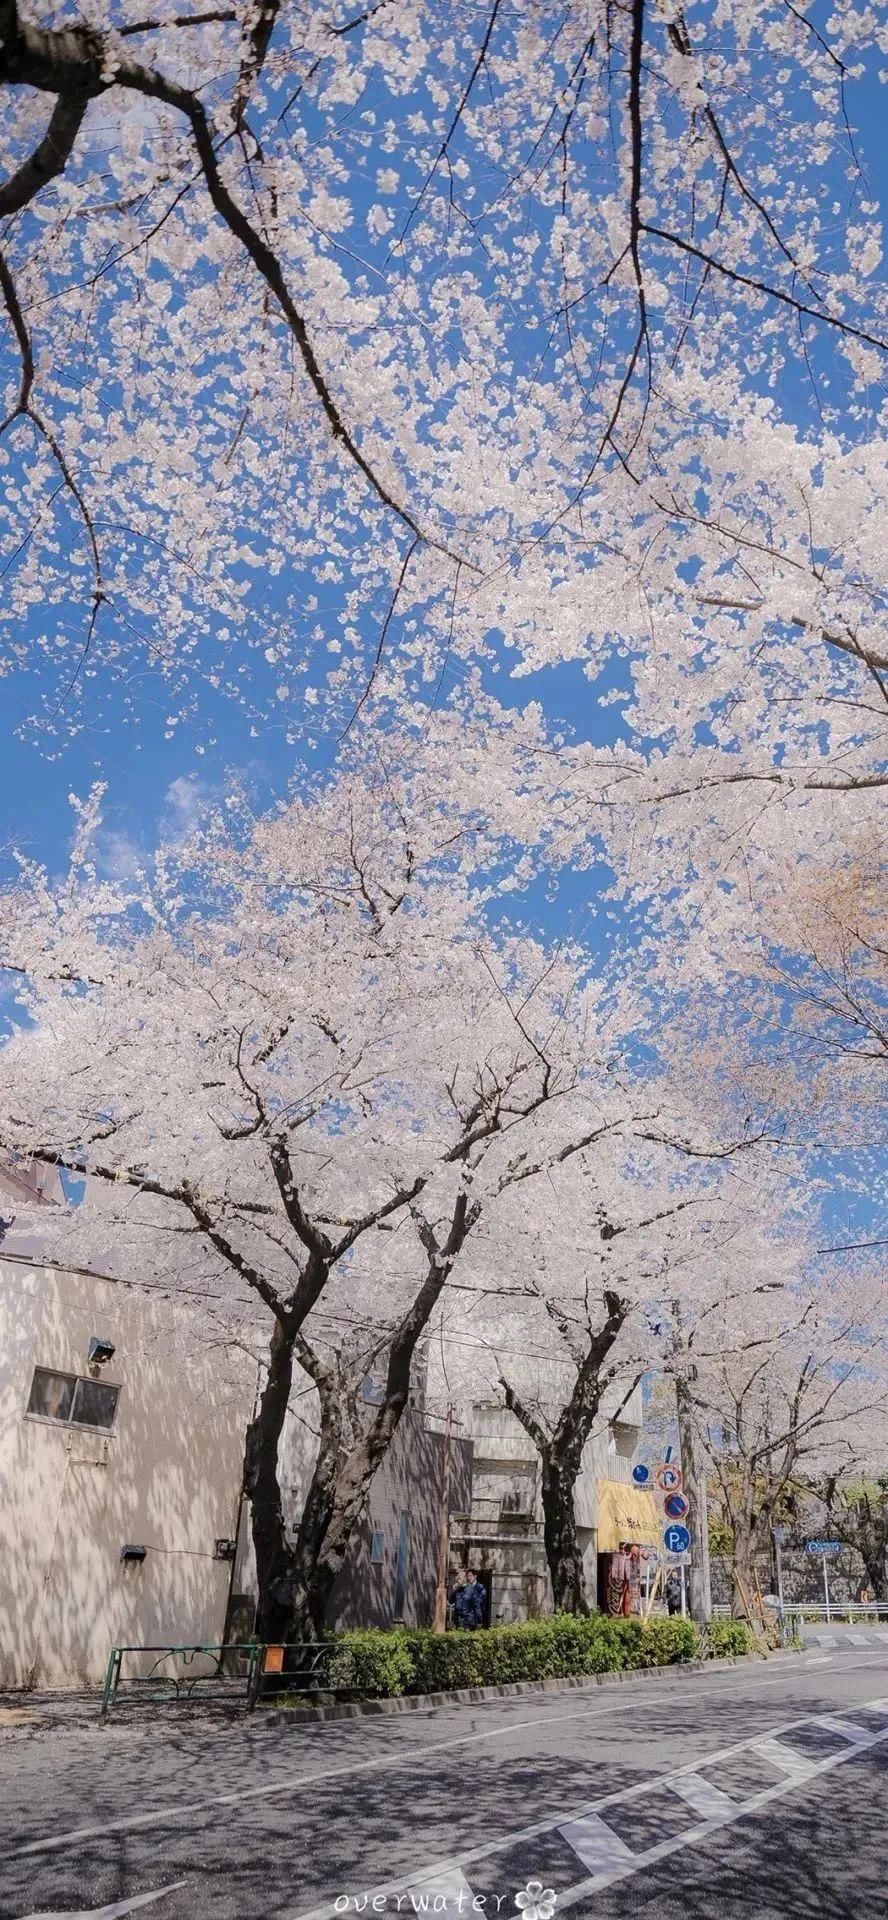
x=753 y=1791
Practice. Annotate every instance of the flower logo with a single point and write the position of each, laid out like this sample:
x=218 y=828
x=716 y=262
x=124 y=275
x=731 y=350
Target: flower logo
x=536 y=1901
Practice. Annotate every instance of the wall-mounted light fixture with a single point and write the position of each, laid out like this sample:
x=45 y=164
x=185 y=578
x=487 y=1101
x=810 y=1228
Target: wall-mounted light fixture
x=136 y=1554
x=100 y=1351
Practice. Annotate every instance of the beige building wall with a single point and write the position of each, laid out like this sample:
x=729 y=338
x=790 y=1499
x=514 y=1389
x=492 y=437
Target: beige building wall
x=167 y=1477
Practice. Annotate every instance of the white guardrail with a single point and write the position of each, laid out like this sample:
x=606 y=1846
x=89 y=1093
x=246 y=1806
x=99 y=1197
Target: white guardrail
x=851 y=1612
x=854 y=1612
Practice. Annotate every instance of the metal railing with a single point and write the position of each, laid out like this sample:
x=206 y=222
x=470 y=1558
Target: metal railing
x=839 y=1612
x=177 y=1672
x=237 y=1671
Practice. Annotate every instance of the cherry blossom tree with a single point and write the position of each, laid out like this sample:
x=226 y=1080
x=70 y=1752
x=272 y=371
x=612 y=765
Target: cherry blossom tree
x=601 y=1262
x=342 y=343
x=301 y=1059
x=855 y=1511
x=787 y=1396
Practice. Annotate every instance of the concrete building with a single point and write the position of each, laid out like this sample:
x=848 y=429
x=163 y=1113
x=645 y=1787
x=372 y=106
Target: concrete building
x=121 y=1454
x=501 y=1533
x=121 y=1448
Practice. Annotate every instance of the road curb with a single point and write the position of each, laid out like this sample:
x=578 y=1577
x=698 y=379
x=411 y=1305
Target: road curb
x=512 y=1690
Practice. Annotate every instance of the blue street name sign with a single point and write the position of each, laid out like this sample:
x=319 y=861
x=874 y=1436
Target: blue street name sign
x=825 y=1548
x=641 y=1475
x=676 y=1539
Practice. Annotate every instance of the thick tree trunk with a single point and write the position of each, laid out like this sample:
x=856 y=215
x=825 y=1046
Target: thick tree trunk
x=296 y=1578
x=743 y=1587
x=871 y=1547
x=336 y=1499
x=565 y=1561
x=262 y=1486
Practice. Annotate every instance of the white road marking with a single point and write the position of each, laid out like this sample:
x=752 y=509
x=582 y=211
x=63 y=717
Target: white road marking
x=595 y=1843
x=705 y=1799
x=179 y=1810
x=858 y=1639
x=825 y=1639
x=848 y=1729
x=799 y=1765
x=739 y=1812
x=434 y=1871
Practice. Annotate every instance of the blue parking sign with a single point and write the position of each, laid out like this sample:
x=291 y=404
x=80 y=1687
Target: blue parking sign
x=676 y=1539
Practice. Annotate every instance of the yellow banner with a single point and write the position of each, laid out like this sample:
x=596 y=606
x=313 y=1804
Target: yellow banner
x=626 y=1514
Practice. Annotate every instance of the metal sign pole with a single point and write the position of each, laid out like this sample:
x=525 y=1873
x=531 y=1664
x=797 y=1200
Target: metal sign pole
x=826 y=1588
x=778 y=1554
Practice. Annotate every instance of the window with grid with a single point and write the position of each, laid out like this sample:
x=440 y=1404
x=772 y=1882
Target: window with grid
x=72 y=1401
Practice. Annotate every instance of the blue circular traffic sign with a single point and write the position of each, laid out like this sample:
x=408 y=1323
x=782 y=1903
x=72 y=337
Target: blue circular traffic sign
x=675 y=1506
x=676 y=1539
x=641 y=1475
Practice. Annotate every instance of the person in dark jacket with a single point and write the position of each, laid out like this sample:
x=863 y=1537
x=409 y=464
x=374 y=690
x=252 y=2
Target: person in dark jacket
x=467 y=1600
x=673 y=1591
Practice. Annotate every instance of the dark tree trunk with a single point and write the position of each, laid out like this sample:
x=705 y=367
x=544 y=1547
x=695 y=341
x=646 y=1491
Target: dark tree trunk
x=296 y=1578
x=561 y=1453
x=262 y=1486
x=873 y=1557
x=565 y=1561
x=336 y=1499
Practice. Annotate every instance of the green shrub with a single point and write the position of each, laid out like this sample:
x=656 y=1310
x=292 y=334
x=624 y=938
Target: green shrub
x=730 y=1637
x=670 y=1640
x=372 y=1662
x=376 y=1663
x=557 y=1647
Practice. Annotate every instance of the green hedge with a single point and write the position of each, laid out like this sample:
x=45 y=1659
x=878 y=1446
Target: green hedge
x=730 y=1637
x=372 y=1662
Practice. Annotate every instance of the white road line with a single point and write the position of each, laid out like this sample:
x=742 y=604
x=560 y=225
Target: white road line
x=740 y=1812
x=798 y=1765
x=848 y=1729
x=705 y=1799
x=434 y=1870
x=595 y=1843
x=180 y=1810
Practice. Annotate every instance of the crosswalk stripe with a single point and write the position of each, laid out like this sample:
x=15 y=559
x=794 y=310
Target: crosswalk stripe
x=699 y=1794
x=847 y=1728
x=595 y=1843
x=786 y=1758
